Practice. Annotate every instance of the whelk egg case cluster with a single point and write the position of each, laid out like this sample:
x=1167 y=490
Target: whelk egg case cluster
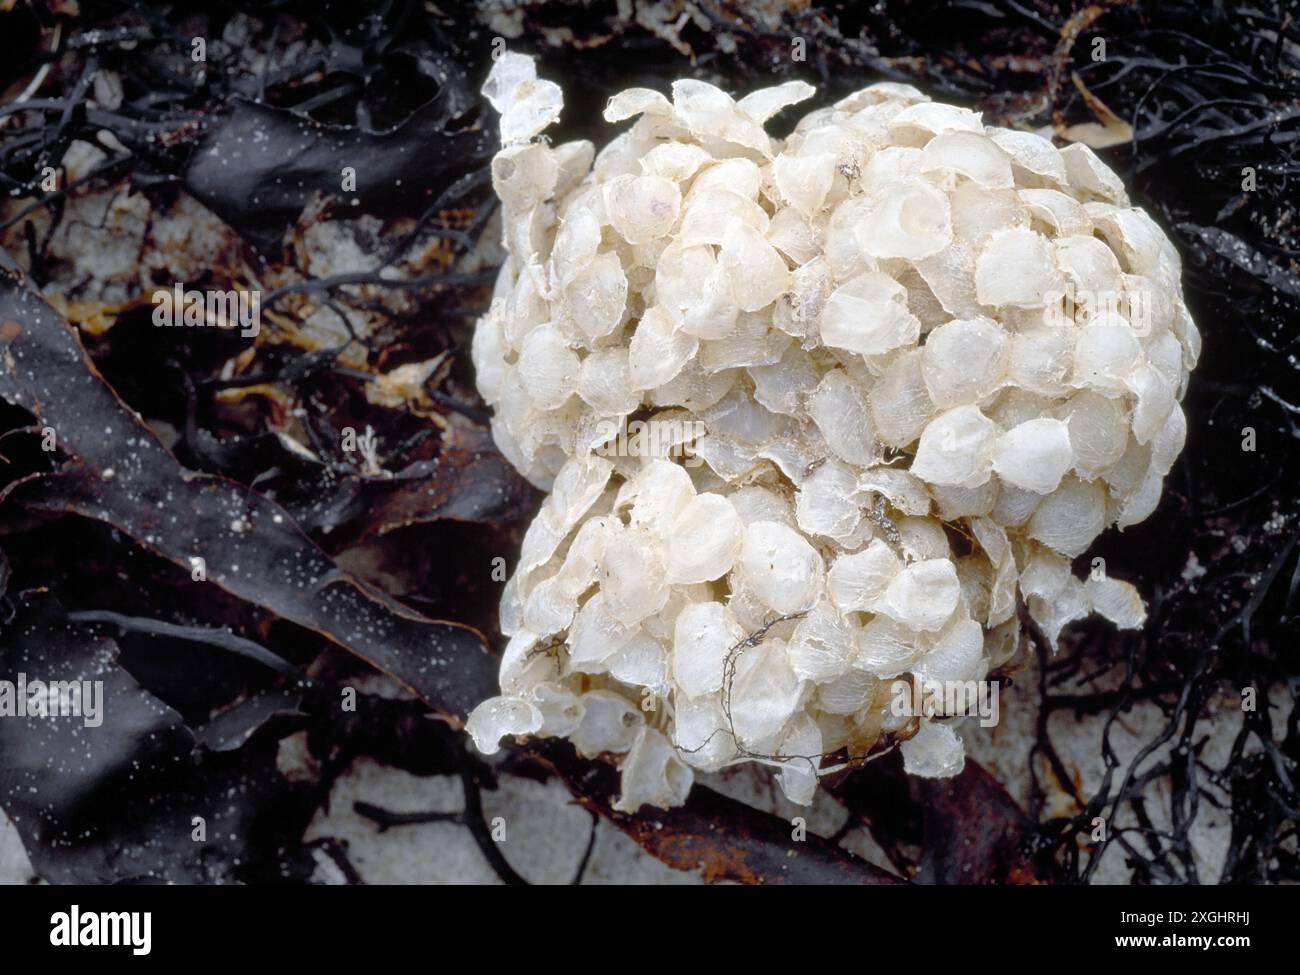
x=815 y=416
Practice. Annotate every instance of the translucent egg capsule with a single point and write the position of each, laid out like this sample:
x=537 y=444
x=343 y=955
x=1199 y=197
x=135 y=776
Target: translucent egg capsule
x=963 y=361
x=784 y=570
x=1034 y=455
x=704 y=540
x=956 y=448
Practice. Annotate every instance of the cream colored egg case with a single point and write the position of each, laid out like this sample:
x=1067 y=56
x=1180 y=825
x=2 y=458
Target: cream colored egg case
x=921 y=363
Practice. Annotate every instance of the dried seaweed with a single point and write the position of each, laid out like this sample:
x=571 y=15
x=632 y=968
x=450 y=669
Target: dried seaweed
x=119 y=473
x=117 y=803
x=259 y=166
x=974 y=833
